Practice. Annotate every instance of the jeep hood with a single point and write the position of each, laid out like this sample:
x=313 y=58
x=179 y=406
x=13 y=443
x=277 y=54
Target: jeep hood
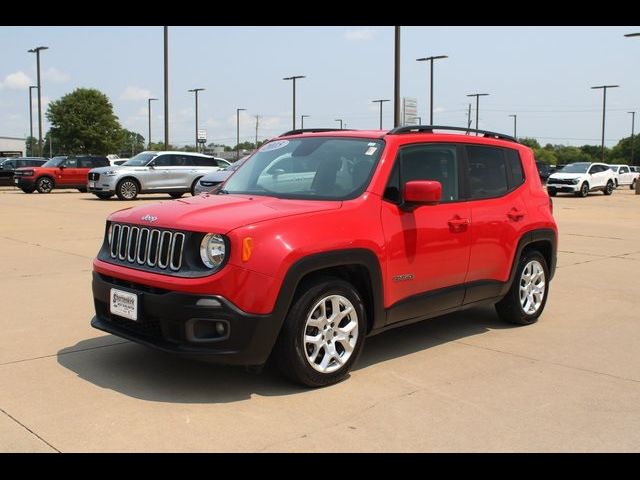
x=218 y=213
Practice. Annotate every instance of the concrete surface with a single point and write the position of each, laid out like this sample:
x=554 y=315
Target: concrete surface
x=464 y=382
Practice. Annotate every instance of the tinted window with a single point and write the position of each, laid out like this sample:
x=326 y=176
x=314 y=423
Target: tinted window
x=431 y=162
x=163 y=161
x=221 y=163
x=71 y=163
x=624 y=170
x=85 y=162
x=178 y=160
x=515 y=166
x=486 y=171
x=204 y=162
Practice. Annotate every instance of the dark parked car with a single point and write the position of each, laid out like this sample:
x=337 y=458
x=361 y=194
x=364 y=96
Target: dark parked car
x=8 y=166
x=544 y=170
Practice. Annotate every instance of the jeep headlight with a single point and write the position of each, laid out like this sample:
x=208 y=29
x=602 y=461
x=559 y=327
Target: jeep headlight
x=213 y=250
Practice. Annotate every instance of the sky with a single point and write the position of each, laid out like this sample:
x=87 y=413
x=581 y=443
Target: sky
x=543 y=75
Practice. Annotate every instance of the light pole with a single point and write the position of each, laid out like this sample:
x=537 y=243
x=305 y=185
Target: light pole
x=380 y=102
x=31 y=118
x=37 y=52
x=166 y=88
x=515 y=125
x=339 y=120
x=238 y=110
x=604 y=109
x=477 y=95
x=302 y=117
x=628 y=35
x=633 y=121
x=149 y=100
x=396 y=82
x=431 y=59
x=294 y=78
x=196 y=90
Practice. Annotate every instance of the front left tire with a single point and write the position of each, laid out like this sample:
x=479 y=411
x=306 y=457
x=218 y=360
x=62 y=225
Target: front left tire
x=323 y=333
x=127 y=189
x=608 y=189
x=44 y=185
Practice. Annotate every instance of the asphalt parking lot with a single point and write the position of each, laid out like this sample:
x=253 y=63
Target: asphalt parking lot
x=463 y=382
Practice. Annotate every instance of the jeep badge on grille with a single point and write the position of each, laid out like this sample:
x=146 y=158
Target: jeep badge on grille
x=149 y=218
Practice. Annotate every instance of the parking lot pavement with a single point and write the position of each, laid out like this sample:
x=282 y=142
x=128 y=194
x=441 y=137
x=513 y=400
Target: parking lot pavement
x=463 y=382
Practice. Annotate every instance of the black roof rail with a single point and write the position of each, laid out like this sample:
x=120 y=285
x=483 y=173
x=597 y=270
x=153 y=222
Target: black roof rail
x=431 y=128
x=311 y=130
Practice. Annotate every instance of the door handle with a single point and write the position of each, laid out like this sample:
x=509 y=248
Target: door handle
x=515 y=214
x=458 y=224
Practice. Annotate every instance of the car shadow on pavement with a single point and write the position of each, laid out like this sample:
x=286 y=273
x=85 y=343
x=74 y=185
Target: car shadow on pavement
x=141 y=372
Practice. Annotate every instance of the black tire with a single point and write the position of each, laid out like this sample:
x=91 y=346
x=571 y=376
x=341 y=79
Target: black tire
x=510 y=308
x=82 y=190
x=104 y=196
x=616 y=183
x=608 y=189
x=176 y=194
x=28 y=189
x=193 y=186
x=552 y=193
x=290 y=351
x=45 y=184
x=633 y=185
x=584 y=190
x=127 y=189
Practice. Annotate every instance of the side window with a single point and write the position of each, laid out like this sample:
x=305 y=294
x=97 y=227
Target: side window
x=189 y=161
x=624 y=170
x=221 y=163
x=71 y=163
x=425 y=162
x=486 y=171
x=515 y=168
x=162 y=161
x=10 y=164
x=596 y=169
x=85 y=162
x=203 y=162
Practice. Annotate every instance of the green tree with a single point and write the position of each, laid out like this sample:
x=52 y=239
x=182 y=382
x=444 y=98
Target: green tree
x=133 y=144
x=529 y=142
x=83 y=122
x=545 y=156
x=157 y=146
x=31 y=141
x=621 y=153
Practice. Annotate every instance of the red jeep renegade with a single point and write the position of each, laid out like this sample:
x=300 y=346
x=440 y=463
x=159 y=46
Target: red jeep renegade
x=325 y=237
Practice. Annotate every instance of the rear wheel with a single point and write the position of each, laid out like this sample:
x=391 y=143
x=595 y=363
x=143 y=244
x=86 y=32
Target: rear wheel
x=633 y=185
x=127 y=189
x=323 y=333
x=82 y=190
x=176 y=194
x=193 y=186
x=44 y=185
x=608 y=189
x=552 y=193
x=527 y=296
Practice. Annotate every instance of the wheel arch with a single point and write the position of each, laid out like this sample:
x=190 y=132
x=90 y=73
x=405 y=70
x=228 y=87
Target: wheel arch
x=543 y=240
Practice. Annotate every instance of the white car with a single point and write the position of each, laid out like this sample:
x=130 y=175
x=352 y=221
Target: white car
x=625 y=175
x=581 y=178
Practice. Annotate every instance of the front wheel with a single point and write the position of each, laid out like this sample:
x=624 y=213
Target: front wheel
x=176 y=194
x=323 y=333
x=127 y=189
x=44 y=185
x=104 y=196
x=28 y=189
x=633 y=185
x=608 y=189
x=527 y=296
x=584 y=190
x=193 y=186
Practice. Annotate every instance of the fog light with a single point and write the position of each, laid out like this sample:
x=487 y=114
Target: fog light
x=220 y=328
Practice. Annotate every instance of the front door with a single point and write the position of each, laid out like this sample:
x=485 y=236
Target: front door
x=428 y=247
x=69 y=175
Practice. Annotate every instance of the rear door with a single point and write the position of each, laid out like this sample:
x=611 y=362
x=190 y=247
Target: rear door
x=496 y=190
x=625 y=176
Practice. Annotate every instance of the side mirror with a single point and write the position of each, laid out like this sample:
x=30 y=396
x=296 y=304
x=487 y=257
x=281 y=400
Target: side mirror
x=61 y=167
x=422 y=192
x=277 y=171
x=151 y=165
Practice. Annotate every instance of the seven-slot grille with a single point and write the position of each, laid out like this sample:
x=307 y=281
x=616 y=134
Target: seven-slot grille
x=93 y=176
x=146 y=246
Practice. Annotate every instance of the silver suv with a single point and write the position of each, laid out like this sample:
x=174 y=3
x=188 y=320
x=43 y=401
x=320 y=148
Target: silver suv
x=174 y=173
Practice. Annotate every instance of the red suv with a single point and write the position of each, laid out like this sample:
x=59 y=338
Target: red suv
x=58 y=172
x=325 y=237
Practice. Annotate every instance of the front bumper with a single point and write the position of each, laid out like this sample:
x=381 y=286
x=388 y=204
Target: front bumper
x=24 y=182
x=182 y=323
x=560 y=188
x=104 y=184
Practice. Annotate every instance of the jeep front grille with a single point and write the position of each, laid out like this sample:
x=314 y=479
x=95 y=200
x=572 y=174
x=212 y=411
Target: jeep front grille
x=152 y=247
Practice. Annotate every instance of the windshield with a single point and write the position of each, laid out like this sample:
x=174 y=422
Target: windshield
x=236 y=165
x=55 y=162
x=575 y=168
x=314 y=168
x=140 y=160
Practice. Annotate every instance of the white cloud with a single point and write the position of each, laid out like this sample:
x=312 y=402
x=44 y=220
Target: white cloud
x=360 y=34
x=135 y=94
x=54 y=75
x=16 y=81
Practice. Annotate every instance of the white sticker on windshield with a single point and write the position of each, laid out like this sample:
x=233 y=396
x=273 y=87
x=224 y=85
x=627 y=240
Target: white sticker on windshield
x=372 y=144
x=274 y=145
x=371 y=150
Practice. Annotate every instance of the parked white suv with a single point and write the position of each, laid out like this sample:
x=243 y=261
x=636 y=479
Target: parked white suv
x=174 y=173
x=581 y=178
x=625 y=175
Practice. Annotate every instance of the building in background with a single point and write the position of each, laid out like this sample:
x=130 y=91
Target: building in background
x=12 y=147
